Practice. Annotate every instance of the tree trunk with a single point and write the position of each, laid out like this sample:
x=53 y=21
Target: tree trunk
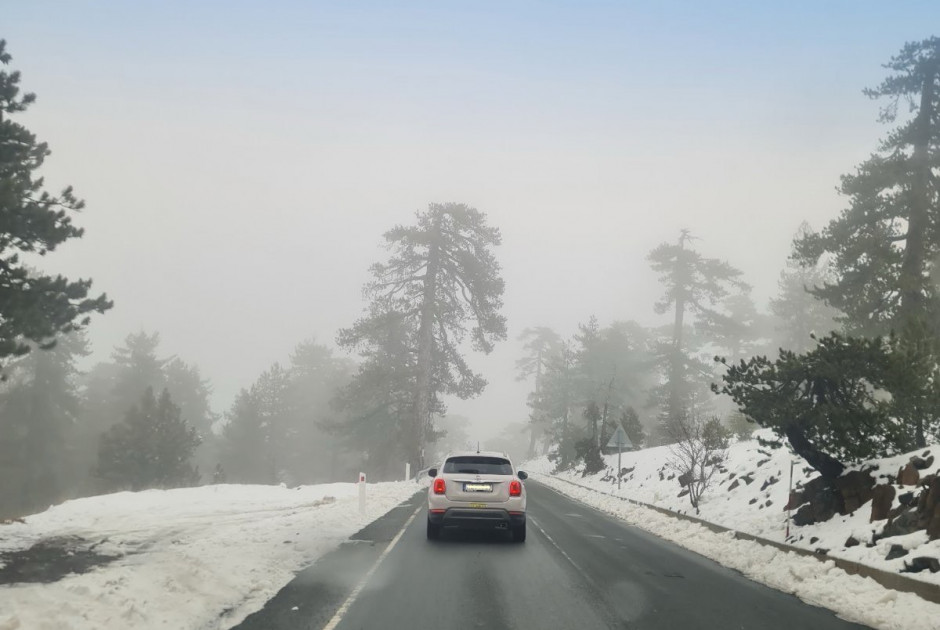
x=913 y=266
x=676 y=375
x=827 y=466
x=417 y=434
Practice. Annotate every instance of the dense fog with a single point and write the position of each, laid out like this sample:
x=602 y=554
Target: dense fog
x=267 y=191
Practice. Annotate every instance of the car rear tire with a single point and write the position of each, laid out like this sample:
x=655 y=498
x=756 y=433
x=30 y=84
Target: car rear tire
x=434 y=531
x=518 y=533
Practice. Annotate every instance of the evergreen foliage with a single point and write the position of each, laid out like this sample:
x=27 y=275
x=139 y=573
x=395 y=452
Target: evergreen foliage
x=152 y=448
x=35 y=308
x=884 y=245
x=40 y=407
x=442 y=286
x=697 y=286
x=800 y=313
x=828 y=403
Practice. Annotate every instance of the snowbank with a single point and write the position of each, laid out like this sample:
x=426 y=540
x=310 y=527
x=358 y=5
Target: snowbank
x=189 y=558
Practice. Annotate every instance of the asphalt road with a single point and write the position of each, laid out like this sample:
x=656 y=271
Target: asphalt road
x=578 y=568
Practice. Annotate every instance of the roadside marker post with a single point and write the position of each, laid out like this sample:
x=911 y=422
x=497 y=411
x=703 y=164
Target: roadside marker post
x=407 y=471
x=362 y=494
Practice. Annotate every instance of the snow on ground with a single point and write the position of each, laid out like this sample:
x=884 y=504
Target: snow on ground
x=757 y=507
x=853 y=598
x=195 y=558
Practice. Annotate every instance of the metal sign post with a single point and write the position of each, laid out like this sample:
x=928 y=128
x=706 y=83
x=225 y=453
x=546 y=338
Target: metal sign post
x=619 y=439
x=619 y=454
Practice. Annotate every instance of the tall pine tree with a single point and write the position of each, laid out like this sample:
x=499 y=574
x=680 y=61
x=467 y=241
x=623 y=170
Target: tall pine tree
x=444 y=281
x=695 y=286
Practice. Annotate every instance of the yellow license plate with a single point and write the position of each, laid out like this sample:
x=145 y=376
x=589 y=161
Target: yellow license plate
x=478 y=505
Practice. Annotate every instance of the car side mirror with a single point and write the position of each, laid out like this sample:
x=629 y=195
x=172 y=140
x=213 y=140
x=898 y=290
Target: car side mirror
x=522 y=475
x=432 y=472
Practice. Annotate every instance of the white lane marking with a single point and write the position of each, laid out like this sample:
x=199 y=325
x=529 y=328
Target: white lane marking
x=362 y=583
x=595 y=536
x=575 y=514
x=563 y=553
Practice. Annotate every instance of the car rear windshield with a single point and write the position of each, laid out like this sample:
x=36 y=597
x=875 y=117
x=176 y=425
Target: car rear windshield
x=478 y=465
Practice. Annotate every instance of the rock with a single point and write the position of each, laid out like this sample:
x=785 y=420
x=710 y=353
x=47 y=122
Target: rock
x=732 y=475
x=804 y=516
x=762 y=462
x=670 y=477
x=769 y=482
x=683 y=493
x=920 y=463
x=933 y=524
x=882 y=499
x=896 y=551
x=626 y=471
x=769 y=503
x=905 y=523
x=856 y=490
x=852 y=541
x=752 y=501
x=824 y=501
x=907 y=499
x=908 y=476
x=796 y=500
x=922 y=563
x=748 y=478
x=685 y=479
x=734 y=485
x=813 y=540
x=933 y=494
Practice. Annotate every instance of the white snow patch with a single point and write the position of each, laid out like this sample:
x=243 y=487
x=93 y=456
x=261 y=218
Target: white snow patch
x=191 y=558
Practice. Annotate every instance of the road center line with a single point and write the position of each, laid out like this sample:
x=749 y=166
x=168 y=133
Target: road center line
x=563 y=553
x=365 y=579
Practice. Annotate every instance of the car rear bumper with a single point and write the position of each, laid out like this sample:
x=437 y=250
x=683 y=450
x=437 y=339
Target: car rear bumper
x=477 y=518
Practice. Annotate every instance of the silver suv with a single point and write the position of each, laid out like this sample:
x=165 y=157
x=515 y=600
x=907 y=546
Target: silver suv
x=474 y=490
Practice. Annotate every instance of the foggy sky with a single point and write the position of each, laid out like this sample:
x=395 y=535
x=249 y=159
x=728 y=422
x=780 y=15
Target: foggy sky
x=240 y=161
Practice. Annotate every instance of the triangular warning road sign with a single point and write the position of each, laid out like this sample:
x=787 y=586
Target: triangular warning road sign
x=619 y=439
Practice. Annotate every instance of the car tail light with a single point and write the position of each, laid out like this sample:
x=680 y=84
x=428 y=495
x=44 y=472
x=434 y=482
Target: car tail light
x=439 y=486
x=515 y=488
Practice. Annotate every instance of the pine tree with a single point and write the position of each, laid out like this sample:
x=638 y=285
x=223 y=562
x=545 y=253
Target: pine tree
x=192 y=394
x=379 y=403
x=34 y=308
x=152 y=448
x=828 y=403
x=539 y=344
x=884 y=244
x=799 y=313
x=39 y=408
x=444 y=281
x=243 y=440
x=314 y=454
x=695 y=285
